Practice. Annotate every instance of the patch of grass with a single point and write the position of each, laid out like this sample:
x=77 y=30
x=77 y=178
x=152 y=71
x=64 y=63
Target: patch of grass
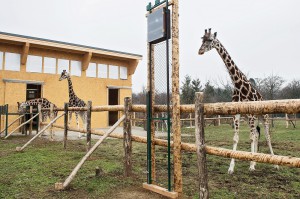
x=33 y=173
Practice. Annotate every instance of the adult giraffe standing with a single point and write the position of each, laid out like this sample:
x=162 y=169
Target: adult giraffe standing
x=74 y=101
x=243 y=91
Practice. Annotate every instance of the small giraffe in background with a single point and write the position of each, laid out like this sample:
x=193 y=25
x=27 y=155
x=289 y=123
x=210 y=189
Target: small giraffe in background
x=44 y=104
x=74 y=101
x=243 y=91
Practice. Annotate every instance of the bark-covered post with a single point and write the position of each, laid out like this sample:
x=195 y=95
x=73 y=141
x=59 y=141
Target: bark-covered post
x=31 y=122
x=127 y=142
x=51 y=118
x=89 y=126
x=40 y=116
x=176 y=128
x=151 y=88
x=200 y=145
x=66 y=124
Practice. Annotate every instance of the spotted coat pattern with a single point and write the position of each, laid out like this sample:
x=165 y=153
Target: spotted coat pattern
x=242 y=91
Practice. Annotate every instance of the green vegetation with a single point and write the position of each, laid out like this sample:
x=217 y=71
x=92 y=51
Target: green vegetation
x=33 y=173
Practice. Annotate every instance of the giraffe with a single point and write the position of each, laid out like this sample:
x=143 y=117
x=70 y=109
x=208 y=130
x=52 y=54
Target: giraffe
x=243 y=91
x=44 y=104
x=74 y=101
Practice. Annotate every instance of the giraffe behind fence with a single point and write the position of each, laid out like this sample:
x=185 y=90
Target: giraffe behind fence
x=243 y=91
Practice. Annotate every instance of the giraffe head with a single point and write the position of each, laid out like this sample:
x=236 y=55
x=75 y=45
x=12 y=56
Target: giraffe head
x=64 y=75
x=208 y=42
x=22 y=107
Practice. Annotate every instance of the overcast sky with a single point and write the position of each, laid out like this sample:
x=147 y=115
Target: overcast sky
x=262 y=36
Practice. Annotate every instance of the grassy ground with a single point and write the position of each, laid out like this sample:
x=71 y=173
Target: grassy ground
x=32 y=174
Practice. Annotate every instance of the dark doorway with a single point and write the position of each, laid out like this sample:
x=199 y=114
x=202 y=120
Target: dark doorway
x=113 y=99
x=33 y=91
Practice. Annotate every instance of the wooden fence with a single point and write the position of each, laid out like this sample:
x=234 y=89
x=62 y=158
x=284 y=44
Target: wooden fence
x=229 y=108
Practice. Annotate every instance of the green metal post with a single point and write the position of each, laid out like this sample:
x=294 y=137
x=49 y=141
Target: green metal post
x=149 y=160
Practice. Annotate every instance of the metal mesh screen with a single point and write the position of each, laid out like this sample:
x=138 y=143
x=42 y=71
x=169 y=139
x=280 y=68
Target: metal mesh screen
x=161 y=126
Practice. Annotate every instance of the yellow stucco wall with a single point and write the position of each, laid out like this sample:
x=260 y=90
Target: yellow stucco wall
x=86 y=88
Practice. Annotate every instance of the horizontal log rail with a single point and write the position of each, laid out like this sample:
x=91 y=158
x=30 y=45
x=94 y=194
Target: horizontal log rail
x=11 y=123
x=39 y=133
x=61 y=186
x=224 y=108
x=21 y=125
x=241 y=155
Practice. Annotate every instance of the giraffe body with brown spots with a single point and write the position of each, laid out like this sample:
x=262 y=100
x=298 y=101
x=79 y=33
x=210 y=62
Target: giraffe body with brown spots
x=243 y=91
x=44 y=104
x=74 y=101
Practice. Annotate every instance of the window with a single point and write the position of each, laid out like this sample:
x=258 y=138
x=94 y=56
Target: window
x=49 y=65
x=113 y=72
x=34 y=64
x=76 y=68
x=12 y=61
x=62 y=64
x=102 y=70
x=1 y=60
x=91 y=70
x=123 y=72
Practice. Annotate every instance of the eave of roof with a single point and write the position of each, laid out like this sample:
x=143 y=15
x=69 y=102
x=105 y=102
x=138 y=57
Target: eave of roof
x=69 y=46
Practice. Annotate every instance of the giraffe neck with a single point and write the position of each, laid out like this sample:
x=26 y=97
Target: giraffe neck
x=71 y=91
x=236 y=75
x=243 y=90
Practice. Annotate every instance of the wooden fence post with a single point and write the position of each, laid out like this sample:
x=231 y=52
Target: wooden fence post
x=127 y=142
x=31 y=122
x=200 y=145
x=66 y=124
x=88 y=126
x=51 y=118
x=40 y=116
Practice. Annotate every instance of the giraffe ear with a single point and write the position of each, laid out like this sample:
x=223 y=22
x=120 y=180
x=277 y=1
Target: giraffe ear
x=215 y=34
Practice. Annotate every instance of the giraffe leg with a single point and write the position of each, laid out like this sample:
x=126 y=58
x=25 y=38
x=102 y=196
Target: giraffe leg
x=235 y=140
x=253 y=138
x=267 y=134
x=70 y=117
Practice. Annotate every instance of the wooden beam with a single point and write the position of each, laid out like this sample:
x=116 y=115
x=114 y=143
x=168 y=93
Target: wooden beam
x=176 y=129
x=200 y=146
x=24 y=54
x=127 y=141
x=86 y=60
x=160 y=190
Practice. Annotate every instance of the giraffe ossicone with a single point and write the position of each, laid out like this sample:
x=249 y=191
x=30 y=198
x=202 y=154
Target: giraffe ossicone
x=242 y=91
x=75 y=101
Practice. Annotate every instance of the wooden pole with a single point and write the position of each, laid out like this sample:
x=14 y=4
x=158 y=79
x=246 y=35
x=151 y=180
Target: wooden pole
x=12 y=123
x=39 y=133
x=51 y=118
x=219 y=120
x=127 y=142
x=176 y=129
x=61 y=186
x=66 y=124
x=151 y=88
x=242 y=155
x=40 y=117
x=21 y=126
x=66 y=105
x=89 y=126
x=31 y=122
x=200 y=144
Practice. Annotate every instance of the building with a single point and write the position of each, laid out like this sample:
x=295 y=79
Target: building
x=30 y=68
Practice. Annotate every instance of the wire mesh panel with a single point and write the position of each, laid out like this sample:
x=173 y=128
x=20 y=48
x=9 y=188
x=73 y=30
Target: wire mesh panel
x=161 y=98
